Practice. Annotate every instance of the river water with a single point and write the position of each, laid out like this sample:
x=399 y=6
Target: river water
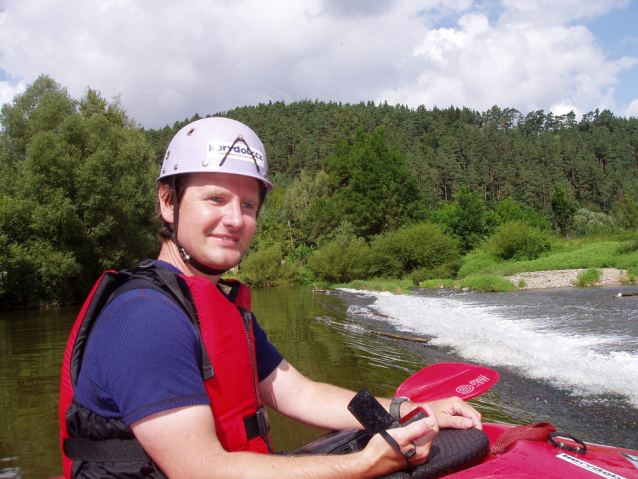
x=566 y=356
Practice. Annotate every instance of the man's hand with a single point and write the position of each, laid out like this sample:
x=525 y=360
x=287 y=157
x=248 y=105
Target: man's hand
x=453 y=413
x=382 y=458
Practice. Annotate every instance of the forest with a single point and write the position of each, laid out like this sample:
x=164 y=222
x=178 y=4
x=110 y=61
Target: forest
x=361 y=190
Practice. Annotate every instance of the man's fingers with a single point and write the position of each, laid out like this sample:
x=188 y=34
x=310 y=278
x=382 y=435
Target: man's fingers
x=454 y=413
x=418 y=435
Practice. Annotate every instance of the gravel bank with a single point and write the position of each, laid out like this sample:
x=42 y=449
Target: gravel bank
x=563 y=278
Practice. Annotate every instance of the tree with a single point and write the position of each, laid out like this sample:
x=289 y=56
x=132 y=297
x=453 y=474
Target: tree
x=509 y=210
x=627 y=213
x=82 y=198
x=467 y=219
x=43 y=106
x=563 y=210
x=373 y=186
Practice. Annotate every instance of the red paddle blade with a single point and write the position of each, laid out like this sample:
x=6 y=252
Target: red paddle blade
x=444 y=380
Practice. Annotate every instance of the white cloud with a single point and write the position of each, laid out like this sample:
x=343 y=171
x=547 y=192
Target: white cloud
x=8 y=91
x=632 y=109
x=169 y=60
x=520 y=65
x=565 y=107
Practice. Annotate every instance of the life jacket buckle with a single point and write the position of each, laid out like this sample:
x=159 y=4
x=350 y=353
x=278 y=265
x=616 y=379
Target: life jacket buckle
x=262 y=421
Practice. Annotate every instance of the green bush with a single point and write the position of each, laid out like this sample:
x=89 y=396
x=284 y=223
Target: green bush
x=478 y=261
x=443 y=271
x=34 y=273
x=632 y=274
x=420 y=247
x=341 y=260
x=628 y=246
x=588 y=278
x=267 y=267
x=519 y=241
x=592 y=223
x=487 y=282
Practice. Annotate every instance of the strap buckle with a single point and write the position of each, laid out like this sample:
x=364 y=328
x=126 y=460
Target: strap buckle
x=262 y=421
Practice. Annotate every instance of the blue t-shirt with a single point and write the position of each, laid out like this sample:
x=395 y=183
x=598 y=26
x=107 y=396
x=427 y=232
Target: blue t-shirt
x=143 y=357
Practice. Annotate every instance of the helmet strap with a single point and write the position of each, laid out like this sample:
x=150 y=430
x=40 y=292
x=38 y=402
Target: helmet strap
x=185 y=256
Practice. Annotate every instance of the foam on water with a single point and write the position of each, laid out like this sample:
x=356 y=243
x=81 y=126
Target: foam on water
x=481 y=334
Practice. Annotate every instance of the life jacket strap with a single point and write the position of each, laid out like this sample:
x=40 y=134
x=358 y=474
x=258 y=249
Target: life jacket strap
x=107 y=450
x=257 y=424
x=130 y=450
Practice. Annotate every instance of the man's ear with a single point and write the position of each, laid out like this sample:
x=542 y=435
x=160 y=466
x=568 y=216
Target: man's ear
x=166 y=201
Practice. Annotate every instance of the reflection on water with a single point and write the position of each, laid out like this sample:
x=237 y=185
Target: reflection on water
x=31 y=350
x=315 y=333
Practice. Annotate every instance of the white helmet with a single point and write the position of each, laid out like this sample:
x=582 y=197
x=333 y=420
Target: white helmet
x=212 y=145
x=216 y=145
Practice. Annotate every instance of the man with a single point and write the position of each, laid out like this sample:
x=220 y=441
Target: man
x=168 y=376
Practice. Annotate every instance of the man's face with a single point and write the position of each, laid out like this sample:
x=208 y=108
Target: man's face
x=218 y=218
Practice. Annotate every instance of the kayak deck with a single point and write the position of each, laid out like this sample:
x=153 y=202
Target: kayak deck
x=533 y=459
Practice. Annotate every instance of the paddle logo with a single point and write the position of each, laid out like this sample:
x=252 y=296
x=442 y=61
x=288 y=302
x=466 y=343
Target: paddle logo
x=468 y=388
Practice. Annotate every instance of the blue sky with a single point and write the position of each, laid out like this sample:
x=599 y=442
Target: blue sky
x=167 y=60
x=617 y=34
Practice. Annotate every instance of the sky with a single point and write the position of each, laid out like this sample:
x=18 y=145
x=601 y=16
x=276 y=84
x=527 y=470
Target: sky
x=167 y=60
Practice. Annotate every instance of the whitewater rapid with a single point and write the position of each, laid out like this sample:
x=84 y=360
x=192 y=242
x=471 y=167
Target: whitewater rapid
x=587 y=349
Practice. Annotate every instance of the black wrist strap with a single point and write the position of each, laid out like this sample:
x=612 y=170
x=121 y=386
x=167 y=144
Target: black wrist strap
x=395 y=407
x=390 y=440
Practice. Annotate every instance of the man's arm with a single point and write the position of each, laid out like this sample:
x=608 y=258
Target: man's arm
x=183 y=443
x=325 y=406
x=309 y=402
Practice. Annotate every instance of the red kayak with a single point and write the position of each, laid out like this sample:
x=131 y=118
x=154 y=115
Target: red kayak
x=499 y=450
x=516 y=452
x=534 y=459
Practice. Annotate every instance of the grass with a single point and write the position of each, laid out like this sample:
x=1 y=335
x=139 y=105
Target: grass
x=588 y=278
x=438 y=283
x=565 y=254
x=483 y=271
x=487 y=282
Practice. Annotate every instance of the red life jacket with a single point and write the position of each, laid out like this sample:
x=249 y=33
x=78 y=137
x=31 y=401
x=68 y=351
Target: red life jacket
x=233 y=388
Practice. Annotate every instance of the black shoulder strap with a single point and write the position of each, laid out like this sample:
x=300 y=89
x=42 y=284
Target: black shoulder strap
x=171 y=285
x=144 y=275
x=176 y=289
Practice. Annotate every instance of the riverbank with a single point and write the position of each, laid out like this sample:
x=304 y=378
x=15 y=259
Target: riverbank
x=565 y=278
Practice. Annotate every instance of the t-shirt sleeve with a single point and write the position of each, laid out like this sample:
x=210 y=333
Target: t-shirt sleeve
x=268 y=358
x=142 y=358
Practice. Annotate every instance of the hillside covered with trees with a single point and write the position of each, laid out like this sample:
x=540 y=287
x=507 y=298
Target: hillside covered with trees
x=364 y=190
